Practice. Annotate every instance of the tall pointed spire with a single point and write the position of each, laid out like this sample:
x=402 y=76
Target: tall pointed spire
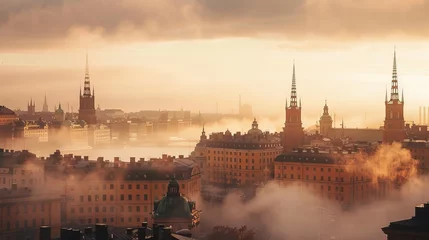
x=402 y=100
x=394 y=95
x=385 y=99
x=87 y=83
x=293 y=100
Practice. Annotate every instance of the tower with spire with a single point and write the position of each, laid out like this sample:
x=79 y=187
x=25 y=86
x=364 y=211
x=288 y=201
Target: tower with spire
x=325 y=121
x=31 y=108
x=293 y=133
x=45 y=106
x=394 y=124
x=87 y=100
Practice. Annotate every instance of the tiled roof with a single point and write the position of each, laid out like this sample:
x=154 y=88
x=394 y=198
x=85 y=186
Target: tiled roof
x=6 y=111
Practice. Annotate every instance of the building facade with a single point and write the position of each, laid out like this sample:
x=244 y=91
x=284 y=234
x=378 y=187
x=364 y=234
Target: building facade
x=330 y=176
x=293 y=133
x=123 y=194
x=99 y=135
x=87 y=100
x=415 y=228
x=394 y=124
x=7 y=116
x=23 y=212
x=419 y=150
x=240 y=159
x=36 y=130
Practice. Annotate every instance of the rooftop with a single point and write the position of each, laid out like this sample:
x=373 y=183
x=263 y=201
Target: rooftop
x=6 y=111
x=418 y=223
x=313 y=156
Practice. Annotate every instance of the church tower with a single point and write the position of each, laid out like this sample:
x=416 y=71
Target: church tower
x=31 y=108
x=394 y=124
x=87 y=100
x=325 y=121
x=45 y=106
x=293 y=133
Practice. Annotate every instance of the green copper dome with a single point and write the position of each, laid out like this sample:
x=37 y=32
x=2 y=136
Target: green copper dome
x=173 y=205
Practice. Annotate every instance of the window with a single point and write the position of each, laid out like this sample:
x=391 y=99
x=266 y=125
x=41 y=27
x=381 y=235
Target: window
x=145 y=197
x=111 y=186
x=81 y=209
x=137 y=186
x=122 y=186
x=156 y=186
x=341 y=189
x=122 y=208
x=145 y=208
x=104 y=197
x=111 y=198
x=138 y=209
x=137 y=197
x=130 y=197
x=130 y=186
x=130 y=209
x=122 y=197
x=89 y=198
x=104 y=209
x=112 y=209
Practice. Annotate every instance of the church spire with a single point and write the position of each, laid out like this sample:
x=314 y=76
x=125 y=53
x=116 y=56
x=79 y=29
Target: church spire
x=293 y=98
x=394 y=95
x=87 y=83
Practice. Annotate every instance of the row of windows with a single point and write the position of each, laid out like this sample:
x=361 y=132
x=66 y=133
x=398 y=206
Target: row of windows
x=230 y=166
x=25 y=208
x=269 y=160
x=111 y=209
x=337 y=179
x=129 y=186
x=246 y=154
x=122 y=197
x=24 y=224
x=112 y=220
x=314 y=169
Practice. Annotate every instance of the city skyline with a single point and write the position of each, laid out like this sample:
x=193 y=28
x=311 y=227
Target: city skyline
x=184 y=47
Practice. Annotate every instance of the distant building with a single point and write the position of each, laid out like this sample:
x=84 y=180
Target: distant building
x=355 y=134
x=394 y=124
x=99 y=135
x=293 y=133
x=240 y=159
x=36 y=130
x=199 y=155
x=176 y=210
x=45 y=105
x=87 y=100
x=330 y=175
x=414 y=228
x=69 y=133
x=7 y=116
x=59 y=114
x=419 y=150
x=31 y=108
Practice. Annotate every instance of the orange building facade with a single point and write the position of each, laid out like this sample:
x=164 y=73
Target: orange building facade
x=331 y=176
x=23 y=212
x=394 y=124
x=293 y=133
x=123 y=194
x=240 y=159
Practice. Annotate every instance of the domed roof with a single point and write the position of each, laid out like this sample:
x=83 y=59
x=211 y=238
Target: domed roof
x=59 y=110
x=254 y=129
x=173 y=204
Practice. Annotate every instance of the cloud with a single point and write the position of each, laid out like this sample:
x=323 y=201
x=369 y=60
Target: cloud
x=41 y=23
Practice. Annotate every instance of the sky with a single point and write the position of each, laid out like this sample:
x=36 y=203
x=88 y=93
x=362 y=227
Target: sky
x=192 y=54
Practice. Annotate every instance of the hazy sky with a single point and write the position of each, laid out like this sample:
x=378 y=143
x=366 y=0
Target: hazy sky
x=168 y=54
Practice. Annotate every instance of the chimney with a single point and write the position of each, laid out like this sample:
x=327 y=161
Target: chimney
x=155 y=231
x=76 y=235
x=129 y=231
x=101 y=231
x=116 y=159
x=180 y=156
x=132 y=160
x=63 y=234
x=88 y=231
x=160 y=232
x=86 y=158
x=164 y=156
x=45 y=233
x=166 y=235
x=141 y=233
